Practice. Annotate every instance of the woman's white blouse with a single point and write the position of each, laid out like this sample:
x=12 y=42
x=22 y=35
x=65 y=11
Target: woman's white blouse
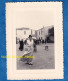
x=30 y=43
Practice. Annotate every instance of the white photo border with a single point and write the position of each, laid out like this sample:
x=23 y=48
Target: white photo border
x=12 y=72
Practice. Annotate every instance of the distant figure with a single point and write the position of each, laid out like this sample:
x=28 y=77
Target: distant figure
x=25 y=42
x=35 y=47
x=42 y=41
x=21 y=45
x=45 y=41
x=46 y=48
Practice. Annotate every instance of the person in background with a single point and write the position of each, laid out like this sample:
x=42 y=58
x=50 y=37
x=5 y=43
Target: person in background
x=35 y=47
x=21 y=45
x=45 y=41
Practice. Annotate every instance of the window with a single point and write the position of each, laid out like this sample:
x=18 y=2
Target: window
x=24 y=32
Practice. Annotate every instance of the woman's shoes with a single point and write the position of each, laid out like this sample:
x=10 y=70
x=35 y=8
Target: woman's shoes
x=26 y=63
x=29 y=63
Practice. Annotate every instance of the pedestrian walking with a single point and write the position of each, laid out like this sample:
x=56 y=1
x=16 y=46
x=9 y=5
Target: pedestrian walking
x=28 y=51
x=34 y=46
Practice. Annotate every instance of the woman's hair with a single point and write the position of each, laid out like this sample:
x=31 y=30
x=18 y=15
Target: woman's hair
x=30 y=35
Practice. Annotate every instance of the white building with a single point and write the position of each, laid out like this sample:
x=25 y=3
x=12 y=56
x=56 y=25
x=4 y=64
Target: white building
x=33 y=33
x=42 y=33
x=23 y=33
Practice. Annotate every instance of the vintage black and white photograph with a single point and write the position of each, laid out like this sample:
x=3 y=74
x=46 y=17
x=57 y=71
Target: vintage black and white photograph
x=35 y=40
x=36 y=46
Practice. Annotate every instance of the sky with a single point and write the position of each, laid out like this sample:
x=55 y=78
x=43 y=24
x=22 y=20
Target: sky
x=34 y=19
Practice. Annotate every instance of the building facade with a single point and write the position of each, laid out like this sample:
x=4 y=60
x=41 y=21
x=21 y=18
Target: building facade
x=23 y=33
x=42 y=33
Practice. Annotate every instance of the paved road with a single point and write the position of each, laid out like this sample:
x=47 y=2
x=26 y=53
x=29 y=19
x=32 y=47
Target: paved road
x=43 y=59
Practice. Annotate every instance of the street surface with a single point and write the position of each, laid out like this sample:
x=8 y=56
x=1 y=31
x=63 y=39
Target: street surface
x=44 y=59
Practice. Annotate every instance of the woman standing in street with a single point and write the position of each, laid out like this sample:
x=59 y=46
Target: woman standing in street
x=30 y=43
x=28 y=51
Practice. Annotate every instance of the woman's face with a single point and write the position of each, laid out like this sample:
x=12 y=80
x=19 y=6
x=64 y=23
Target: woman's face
x=30 y=38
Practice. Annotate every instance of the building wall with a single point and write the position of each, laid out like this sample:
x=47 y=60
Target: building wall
x=23 y=34
x=39 y=34
x=42 y=33
x=33 y=33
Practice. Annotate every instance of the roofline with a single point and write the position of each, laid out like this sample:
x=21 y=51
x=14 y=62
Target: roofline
x=22 y=28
